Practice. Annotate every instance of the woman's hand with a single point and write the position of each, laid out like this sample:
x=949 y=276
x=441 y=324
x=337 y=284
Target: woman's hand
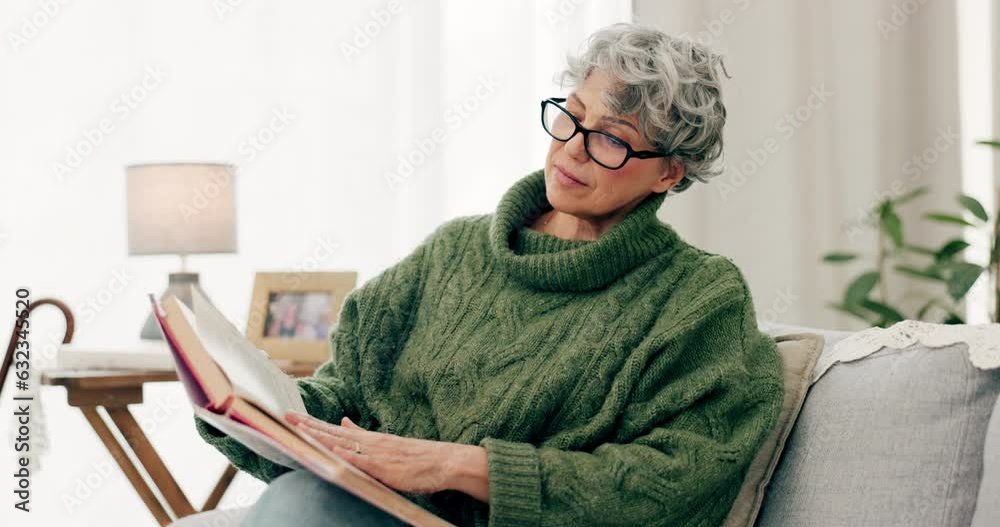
x=403 y=463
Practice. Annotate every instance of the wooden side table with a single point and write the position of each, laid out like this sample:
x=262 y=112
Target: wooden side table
x=114 y=390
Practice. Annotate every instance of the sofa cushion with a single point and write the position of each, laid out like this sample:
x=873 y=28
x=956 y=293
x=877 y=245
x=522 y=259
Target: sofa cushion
x=988 y=504
x=799 y=354
x=830 y=336
x=889 y=440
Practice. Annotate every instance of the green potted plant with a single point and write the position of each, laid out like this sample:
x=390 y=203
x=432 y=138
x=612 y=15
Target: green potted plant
x=867 y=295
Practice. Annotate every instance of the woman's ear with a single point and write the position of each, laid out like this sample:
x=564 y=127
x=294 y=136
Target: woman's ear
x=673 y=173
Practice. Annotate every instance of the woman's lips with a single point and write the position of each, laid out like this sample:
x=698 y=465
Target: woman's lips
x=567 y=179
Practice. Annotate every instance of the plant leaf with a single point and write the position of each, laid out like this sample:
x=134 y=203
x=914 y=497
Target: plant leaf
x=963 y=275
x=973 y=205
x=915 y=193
x=884 y=208
x=839 y=257
x=854 y=311
x=953 y=318
x=888 y=313
x=942 y=269
x=994 y=144
x=948 y=218
x=925 y=308
x=926 y=274
x=950 y=249
x=893 y=226
x=920 y=250
x=860 y=287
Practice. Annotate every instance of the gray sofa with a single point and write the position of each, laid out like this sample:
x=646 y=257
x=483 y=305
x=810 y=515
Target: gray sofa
x=902 y=437
x=905 y=437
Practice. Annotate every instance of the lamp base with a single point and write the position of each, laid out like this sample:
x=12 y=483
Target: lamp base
x=180 y=285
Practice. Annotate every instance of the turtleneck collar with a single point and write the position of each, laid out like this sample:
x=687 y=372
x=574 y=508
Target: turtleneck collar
x=543 y=261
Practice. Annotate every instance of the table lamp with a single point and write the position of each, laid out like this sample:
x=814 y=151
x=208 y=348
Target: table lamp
x=180 y=208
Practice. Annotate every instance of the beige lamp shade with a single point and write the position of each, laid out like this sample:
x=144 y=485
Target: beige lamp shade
x=181 y=208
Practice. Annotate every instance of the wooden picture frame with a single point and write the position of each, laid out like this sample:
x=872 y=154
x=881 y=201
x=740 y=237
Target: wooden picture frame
x=291 y=313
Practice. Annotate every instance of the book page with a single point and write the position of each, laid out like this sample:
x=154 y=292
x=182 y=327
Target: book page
x=259 y=443
x=251 y=372
x=194 y=390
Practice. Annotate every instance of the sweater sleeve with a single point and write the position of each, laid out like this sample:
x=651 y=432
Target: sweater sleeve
x=700 y=406
x=373 y=321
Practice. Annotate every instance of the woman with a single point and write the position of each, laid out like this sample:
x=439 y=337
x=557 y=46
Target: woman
x=568 y=359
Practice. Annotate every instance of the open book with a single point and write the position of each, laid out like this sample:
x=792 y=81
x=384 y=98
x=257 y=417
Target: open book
x=236 y=388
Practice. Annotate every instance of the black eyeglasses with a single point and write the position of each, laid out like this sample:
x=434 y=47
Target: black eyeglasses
x=605 y=149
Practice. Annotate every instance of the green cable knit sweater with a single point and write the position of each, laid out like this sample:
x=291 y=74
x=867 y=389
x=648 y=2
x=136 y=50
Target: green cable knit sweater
x=620 y=381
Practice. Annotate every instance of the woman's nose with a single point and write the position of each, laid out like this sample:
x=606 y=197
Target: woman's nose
x=576 y=149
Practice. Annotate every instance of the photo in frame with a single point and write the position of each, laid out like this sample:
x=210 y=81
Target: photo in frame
x=291 y=313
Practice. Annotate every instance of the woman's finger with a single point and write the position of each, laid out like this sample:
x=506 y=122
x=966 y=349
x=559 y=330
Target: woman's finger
x=296 y=417
x=333 y=431
x=316 y=424
x=320 y=435
x=313 y=423
x=326 y=439
x=368 y=464
x=354 y=433
x=346 y=426
x=347 y=423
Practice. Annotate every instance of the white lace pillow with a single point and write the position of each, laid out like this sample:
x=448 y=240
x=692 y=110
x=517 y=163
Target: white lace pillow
x=983 y=342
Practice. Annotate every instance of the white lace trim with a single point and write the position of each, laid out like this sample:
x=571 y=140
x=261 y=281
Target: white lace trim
x=983 y=341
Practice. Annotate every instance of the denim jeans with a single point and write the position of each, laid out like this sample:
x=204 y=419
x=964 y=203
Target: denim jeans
x=300 y=499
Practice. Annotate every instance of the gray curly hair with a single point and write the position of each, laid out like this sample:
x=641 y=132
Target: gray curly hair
x=674 y=84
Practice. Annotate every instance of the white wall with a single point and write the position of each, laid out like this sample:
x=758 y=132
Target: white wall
x=891 y=85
